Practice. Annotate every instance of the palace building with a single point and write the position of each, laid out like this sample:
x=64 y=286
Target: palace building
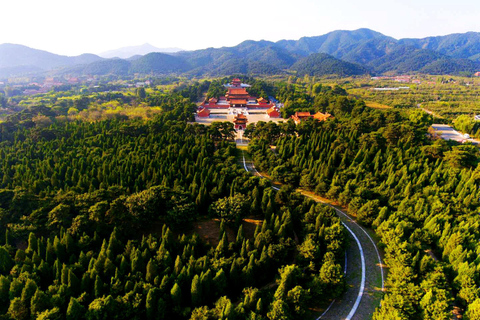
x=203 y=113
x=240 y=121
x=273 y=112
x=237 y=97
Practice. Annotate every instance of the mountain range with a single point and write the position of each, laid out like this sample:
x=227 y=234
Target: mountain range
x=340 y=52
x=134 y=51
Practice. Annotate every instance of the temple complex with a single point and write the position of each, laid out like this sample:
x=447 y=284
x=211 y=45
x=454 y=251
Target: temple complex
x=238 y=106
x=237 y=97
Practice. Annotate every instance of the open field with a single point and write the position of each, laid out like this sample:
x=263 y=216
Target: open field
x=446 y=96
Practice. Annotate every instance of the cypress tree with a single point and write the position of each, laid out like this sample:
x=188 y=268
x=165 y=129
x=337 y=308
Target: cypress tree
x=178 y=266
x=17 y=309
x=176 y=294
x=151 y=304
x=8 y=240
x=64 y=276
x=220 y=282
x=196 y=291
x=40 y=302
x=4 y=290
x=28 y=292
x=222 y=247
x=73 y=282
x=75 y=310
x=151 y=271
x=6 y=262
x=98 y=289
x=240 y=236
x=85 y=284
x=32 y=243
x=161 y=309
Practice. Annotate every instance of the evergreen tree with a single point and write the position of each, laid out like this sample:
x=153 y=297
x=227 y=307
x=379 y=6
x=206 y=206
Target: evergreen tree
x=6 y=262
x=98 y=289
x=151 y=271
x=220 y=282
x=18 y=310
x=151 y=304
x=39 y=303
x=196 y=291
x=75 y=310
x=176 y=294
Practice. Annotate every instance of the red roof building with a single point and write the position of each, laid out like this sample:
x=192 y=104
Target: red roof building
x=240 y=121
x=237 y=82
x=203 y=113
x=322 y=116
x=300 y=116
x=273 y=112
x=237 y=97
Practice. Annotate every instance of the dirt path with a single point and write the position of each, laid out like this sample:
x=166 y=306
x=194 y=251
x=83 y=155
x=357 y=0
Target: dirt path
x=364 y=271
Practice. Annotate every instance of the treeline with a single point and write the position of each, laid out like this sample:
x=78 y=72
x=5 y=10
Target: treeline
x=420 y=196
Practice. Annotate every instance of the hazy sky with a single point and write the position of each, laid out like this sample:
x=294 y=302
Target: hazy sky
x=72 y=27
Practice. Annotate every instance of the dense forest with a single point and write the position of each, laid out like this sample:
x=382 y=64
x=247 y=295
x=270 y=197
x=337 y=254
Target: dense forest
x=418 y=193
x=98 y=221
x=101 y=196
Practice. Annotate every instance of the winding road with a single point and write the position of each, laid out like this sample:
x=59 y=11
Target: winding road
x=364 y=272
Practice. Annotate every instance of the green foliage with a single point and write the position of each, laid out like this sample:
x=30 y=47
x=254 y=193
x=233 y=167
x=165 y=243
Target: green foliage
x=75 y=310
x=81 y=195
x=465 y=123
x=417 y=193
x=231 y=209
x=320 y=64
x=6 y=262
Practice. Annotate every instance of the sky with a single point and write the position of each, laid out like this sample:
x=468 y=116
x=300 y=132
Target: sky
x=72 y=27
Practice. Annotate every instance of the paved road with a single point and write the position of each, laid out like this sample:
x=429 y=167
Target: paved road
x=363 y=269
x=446 y=132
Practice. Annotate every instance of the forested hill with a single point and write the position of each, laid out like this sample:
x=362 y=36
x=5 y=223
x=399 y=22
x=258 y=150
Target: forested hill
x=343 y=54
x=319 y=64
x=372 y=50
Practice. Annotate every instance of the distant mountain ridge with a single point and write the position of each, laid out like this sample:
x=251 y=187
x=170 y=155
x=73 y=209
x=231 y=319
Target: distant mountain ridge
x=457 y=45
x=339 y=52
x=15 y=55
x=128 y=52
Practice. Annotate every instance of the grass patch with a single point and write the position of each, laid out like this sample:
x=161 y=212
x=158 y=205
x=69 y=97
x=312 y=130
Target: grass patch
x=376 y=105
